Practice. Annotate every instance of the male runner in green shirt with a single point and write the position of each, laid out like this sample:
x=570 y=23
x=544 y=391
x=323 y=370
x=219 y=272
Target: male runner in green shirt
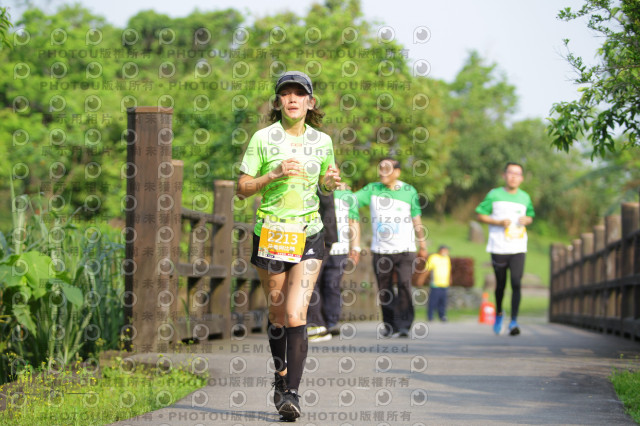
x=507 y=210
x=395 y=218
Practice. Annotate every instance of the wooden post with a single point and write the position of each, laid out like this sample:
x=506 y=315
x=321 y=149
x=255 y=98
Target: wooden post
x=175 y=228
x=257 y=301
x=555 y=281
x=568 y=284
x=612 y=234
x=612 y=226
x=241 y=268
x=598 y=246
x=146 y=275
x=587 y=273
x=577 y=263
x=587 y=250
x=242 y=272
x=562 y=263
x=630 y=224
x=568 y=264
x=577 y=298
x=220 y=301
x=199 y=286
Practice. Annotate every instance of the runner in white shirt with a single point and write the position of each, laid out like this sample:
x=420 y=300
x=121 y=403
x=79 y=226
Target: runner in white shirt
x=395 y=218
x=507 y=210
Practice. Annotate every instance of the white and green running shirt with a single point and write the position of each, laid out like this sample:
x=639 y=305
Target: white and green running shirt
x=500 y=205
x=346 y=207
x=291 y=197
x=392 y=213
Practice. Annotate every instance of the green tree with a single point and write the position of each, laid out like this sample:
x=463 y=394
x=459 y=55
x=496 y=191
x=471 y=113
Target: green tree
x=66 y=87
x=5 y=25
x=610 y=98
x=481 y=101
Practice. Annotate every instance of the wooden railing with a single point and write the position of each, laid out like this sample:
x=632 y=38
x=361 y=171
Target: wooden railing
x=595 y=281
x=175 y=294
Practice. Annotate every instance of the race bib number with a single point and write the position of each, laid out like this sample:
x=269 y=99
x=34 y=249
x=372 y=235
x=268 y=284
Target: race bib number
x=515 y=232
x=282 y=241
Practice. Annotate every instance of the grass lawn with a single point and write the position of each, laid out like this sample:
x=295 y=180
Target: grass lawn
x=82 y=396
x=627 y=386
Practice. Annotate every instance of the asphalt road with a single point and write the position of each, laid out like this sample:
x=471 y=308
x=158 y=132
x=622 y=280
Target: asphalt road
x=444 y=374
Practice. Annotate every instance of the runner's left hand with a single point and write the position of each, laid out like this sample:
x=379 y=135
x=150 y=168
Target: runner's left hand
x=331 y=178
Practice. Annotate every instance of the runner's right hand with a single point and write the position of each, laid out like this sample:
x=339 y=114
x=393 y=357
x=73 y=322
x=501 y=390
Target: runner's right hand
x=288 y=167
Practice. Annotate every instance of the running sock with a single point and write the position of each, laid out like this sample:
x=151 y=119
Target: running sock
x=278 y=344
x=297 y=347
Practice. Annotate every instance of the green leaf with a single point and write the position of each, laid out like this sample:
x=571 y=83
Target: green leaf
x=38 y=269
x=22 y=313
x=73 y=294
x=11 y=260
x=8 y=278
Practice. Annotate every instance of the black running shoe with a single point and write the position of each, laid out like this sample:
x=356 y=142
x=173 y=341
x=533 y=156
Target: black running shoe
x=403 y=332
x=334 y=330
x=279 y=389
x=290 y=408
x=387 y=331
x=514 y=330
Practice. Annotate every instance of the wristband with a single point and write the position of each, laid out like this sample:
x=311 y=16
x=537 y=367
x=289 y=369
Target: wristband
x=357 y=249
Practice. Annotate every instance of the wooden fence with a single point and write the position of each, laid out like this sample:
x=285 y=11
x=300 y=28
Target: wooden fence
x=595 y=281
x=187 y=271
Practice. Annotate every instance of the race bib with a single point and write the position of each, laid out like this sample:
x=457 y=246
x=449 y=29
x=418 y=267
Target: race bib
x=282 y=241
x=515 y=232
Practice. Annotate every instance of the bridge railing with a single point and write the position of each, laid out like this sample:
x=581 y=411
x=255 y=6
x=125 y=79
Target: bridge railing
x=181 y=264
x=595 y=281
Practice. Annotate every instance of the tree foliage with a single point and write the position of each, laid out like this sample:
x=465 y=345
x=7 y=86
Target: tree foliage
x=5 y=26
x=70 y=76
x=76 y=75
x=610 y=99
x=481 y=100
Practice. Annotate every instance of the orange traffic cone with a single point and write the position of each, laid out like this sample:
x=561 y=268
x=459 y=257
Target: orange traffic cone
x=487 y=311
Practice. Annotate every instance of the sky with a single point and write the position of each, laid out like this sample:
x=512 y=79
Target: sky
x=523 y=37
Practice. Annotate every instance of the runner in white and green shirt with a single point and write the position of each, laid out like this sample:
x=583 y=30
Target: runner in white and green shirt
x=507 y=210
x=396 y=224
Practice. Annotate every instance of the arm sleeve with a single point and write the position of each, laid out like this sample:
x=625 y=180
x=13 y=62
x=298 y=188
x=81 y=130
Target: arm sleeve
x=363 y=197
x=329 y=159
x=486 y=206
x=530 y=211
x=429 y=265
x=415 y=205
x=252 y=159
x=351 y=200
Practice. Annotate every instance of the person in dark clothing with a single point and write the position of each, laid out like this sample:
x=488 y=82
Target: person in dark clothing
x=339 y=213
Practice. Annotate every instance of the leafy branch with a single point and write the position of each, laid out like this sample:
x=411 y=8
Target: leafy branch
x=610 y=100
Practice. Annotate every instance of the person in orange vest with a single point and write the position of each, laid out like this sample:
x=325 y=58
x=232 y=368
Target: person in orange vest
x=439 y=266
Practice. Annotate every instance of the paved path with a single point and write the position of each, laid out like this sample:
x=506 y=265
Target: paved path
x=446 y=374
